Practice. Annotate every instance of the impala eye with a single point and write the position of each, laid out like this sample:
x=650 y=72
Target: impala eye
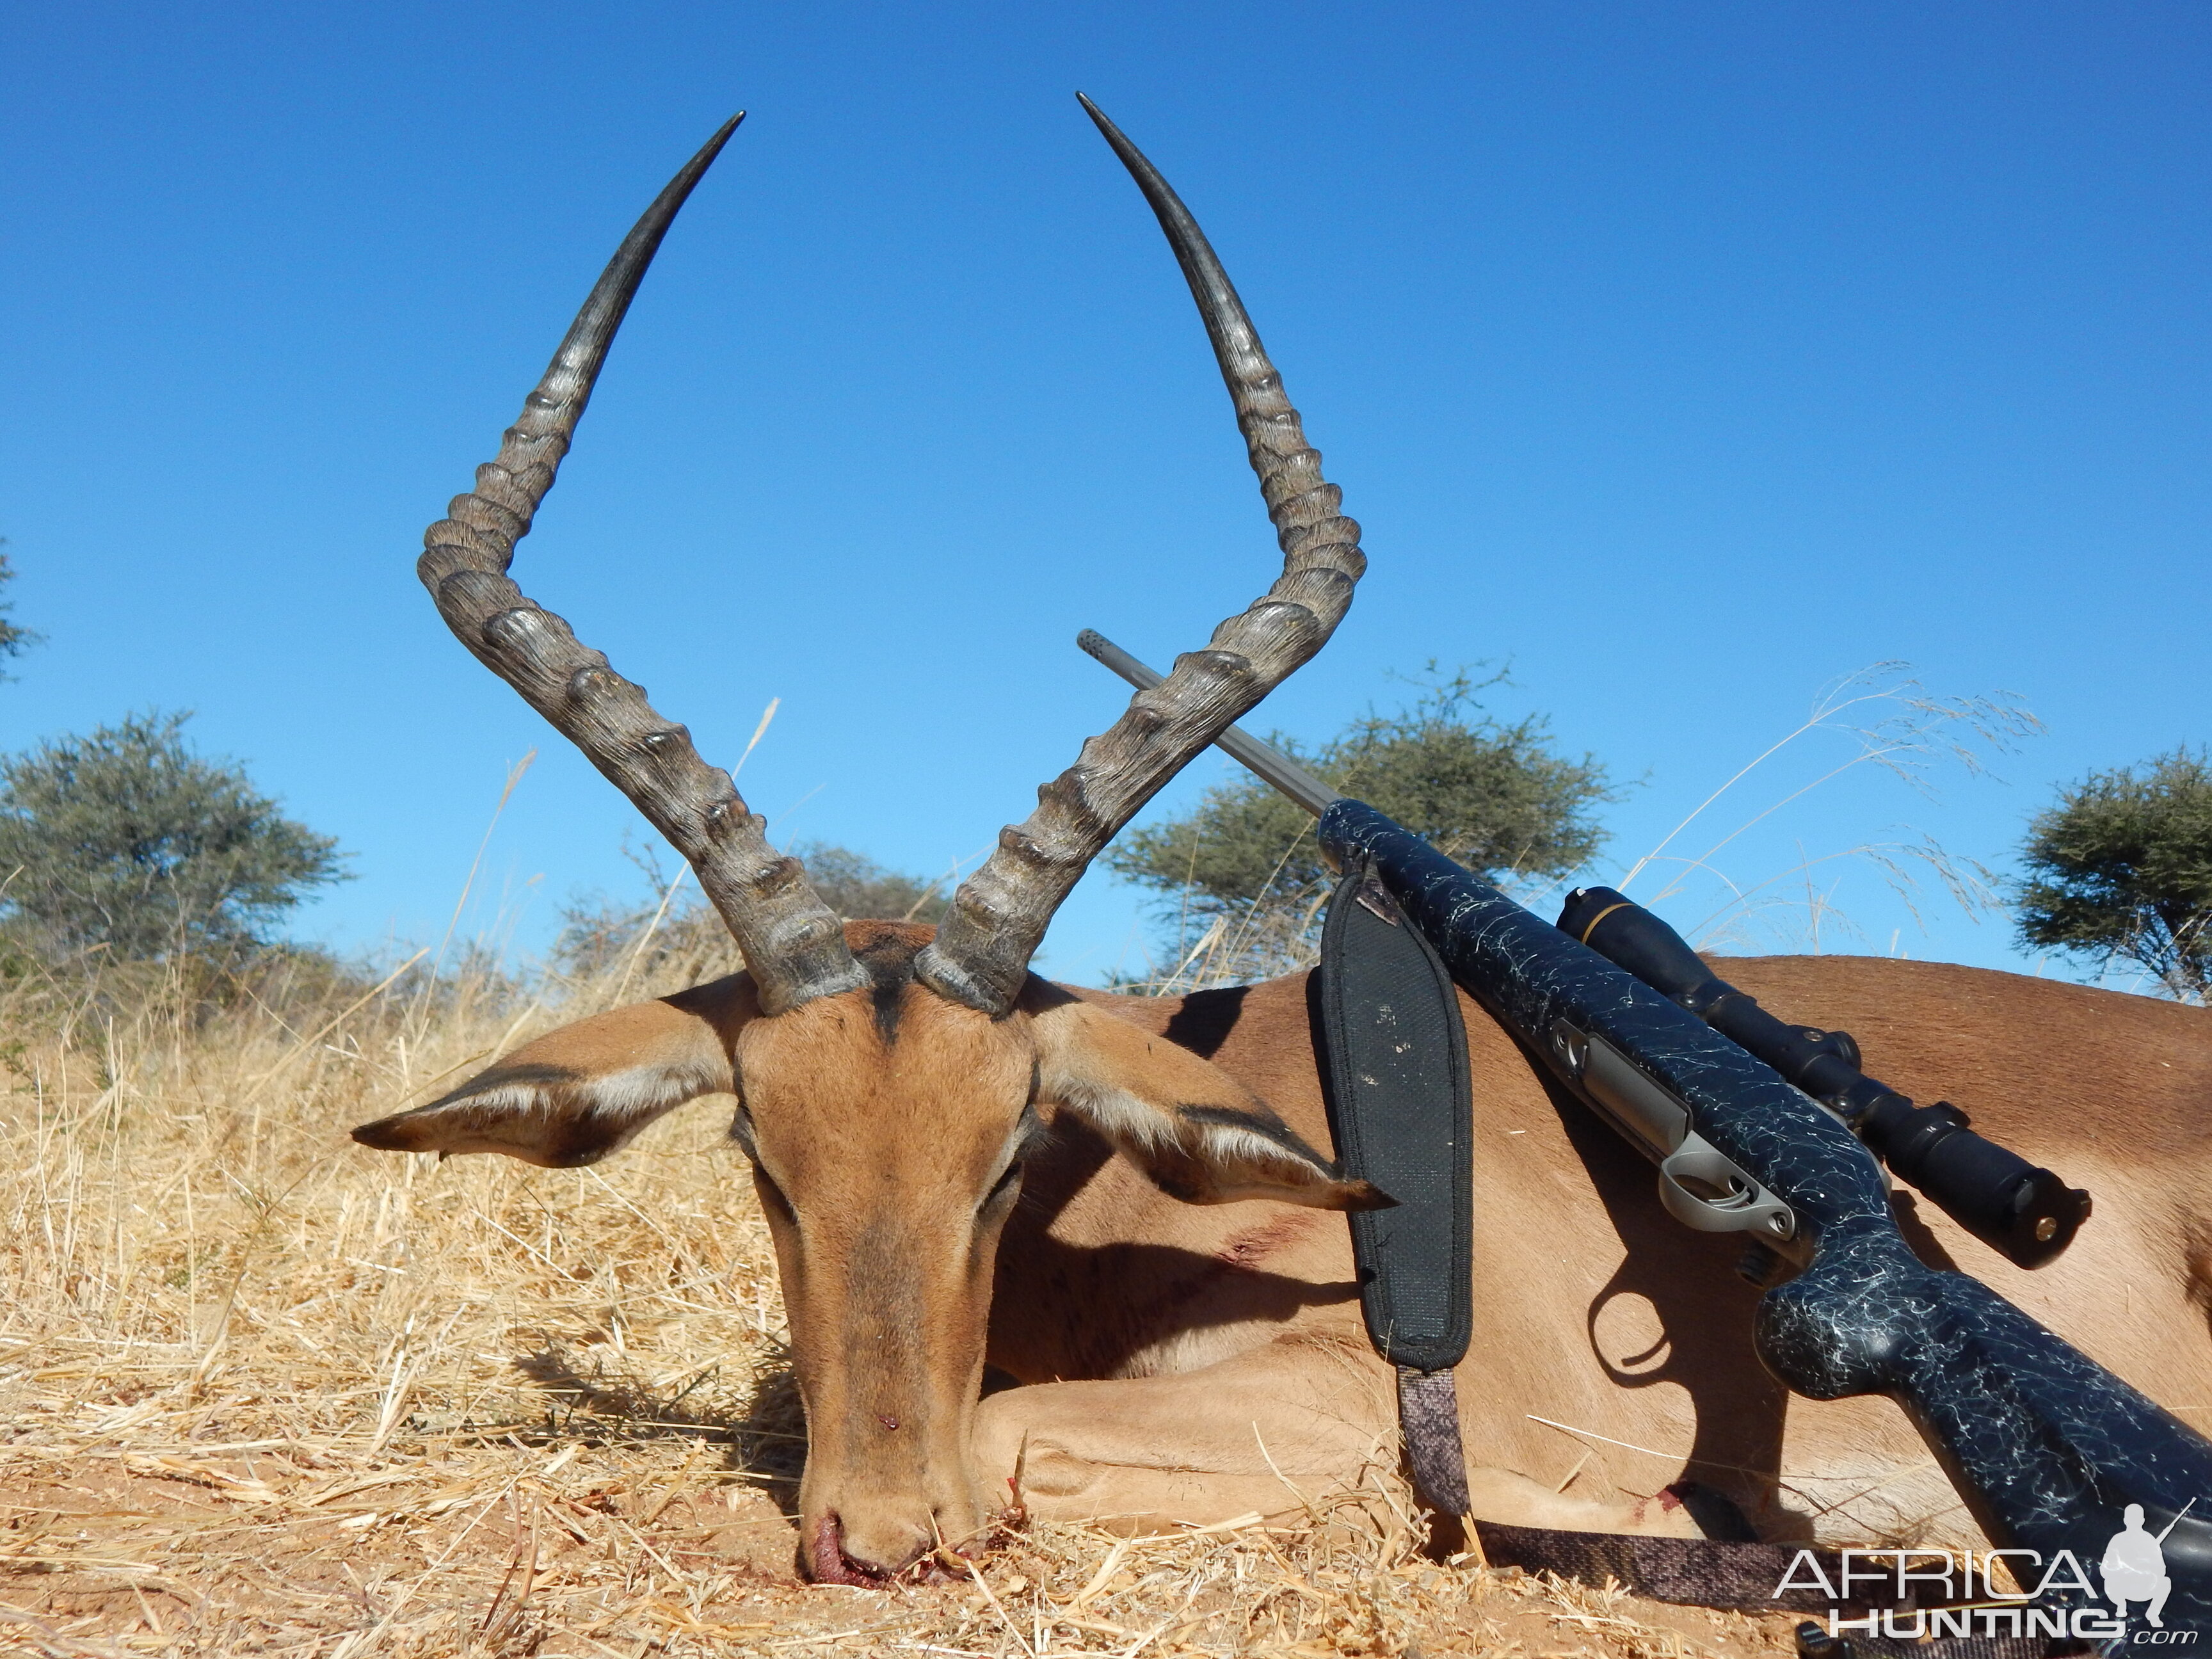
x=1029 y=1134
x=1002 y=1188
x=741 y=1131
x=772 y=1195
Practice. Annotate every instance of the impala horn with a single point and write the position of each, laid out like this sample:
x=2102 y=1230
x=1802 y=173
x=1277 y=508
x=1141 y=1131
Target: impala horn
x=998 y=918
x=793 y=943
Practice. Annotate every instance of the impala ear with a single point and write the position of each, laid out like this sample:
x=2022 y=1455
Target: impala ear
x=581 y=1092
x=1201 y=1136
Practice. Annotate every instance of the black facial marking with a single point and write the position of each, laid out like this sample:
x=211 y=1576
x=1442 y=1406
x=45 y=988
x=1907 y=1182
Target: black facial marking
x=888 y=961
x=887 y=995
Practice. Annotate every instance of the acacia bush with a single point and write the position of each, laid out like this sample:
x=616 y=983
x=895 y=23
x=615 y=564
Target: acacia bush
x=2120 y=870
x=14 y=638
x=126 y=842
x=683 y=936
x=1243 y=864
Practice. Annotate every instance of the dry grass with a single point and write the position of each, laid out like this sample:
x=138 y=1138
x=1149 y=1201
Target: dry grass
x=270 y=1393
x=1276 y=935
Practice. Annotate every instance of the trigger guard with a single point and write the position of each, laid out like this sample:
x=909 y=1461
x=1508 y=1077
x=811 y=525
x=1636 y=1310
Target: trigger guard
x=1749 y=1209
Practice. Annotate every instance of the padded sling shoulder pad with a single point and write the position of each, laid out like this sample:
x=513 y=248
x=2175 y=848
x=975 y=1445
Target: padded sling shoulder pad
x=1401 y=1110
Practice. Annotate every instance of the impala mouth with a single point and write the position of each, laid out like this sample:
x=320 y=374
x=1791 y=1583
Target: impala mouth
x=824 y=1561
x=827 y=1564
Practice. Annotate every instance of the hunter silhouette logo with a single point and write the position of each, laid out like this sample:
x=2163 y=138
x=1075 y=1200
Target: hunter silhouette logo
x=2134 y=1566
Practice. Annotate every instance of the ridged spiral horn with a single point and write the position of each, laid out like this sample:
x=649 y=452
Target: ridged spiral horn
x=981 y=952
x=793 y=943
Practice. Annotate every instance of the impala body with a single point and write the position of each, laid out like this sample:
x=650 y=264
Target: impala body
x=1121 y=1202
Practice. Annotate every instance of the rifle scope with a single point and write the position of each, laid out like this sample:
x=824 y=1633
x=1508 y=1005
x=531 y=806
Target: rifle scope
x=2026 y=1214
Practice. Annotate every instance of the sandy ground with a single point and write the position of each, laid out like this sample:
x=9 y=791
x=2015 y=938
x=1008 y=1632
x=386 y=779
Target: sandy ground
x=169 y=1544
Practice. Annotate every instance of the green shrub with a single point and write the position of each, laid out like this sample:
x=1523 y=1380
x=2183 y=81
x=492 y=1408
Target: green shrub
x=685 y=939
x=1494 y=796
x=14 y=639
x=2121 y=870
x=125 y=842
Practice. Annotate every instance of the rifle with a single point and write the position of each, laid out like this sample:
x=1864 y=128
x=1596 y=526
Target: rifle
x=2048 y=1449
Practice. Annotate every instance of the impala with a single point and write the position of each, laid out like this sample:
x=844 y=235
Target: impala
x=1121 y=1203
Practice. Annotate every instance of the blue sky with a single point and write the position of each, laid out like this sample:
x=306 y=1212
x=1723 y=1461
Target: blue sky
x=1684 y=358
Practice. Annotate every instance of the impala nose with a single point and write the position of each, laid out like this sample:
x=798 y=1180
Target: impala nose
x=831 y=1558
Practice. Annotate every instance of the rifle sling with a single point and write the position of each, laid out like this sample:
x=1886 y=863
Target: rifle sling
x=1400 y=1108
x=1395 y=1074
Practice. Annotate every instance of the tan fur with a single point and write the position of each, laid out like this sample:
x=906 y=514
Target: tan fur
x=1195 y=1360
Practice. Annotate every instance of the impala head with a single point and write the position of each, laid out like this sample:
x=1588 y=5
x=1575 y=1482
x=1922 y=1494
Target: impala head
x=890 y=1080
